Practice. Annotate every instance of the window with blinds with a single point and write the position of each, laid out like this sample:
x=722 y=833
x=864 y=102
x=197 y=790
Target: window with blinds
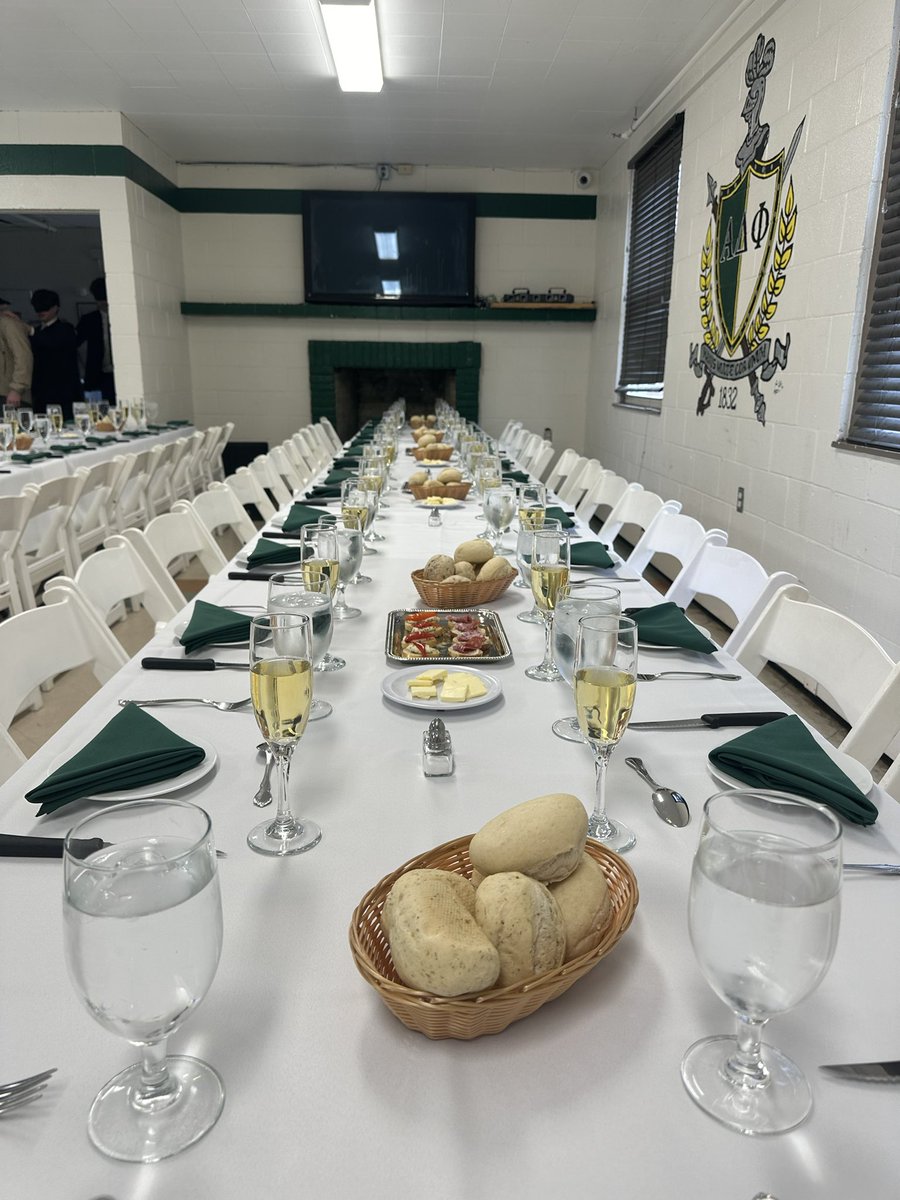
x=648 y=277
x=875 y=419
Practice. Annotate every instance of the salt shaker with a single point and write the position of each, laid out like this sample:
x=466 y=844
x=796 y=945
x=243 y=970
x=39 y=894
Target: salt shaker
x=437 y=751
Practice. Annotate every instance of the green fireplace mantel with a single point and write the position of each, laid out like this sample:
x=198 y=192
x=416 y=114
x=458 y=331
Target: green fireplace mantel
x=462 y=357
x=387 y=312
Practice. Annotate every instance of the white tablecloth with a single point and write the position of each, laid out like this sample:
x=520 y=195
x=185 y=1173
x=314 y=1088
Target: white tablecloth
x=328 y=1095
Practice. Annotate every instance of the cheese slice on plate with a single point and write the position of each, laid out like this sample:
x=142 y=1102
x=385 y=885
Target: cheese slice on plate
x=426 y=691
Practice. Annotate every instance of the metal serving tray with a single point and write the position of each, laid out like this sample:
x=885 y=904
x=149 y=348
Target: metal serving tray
x=488 y=620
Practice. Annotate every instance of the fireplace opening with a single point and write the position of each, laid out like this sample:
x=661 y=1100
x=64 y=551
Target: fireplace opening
x=363 y=393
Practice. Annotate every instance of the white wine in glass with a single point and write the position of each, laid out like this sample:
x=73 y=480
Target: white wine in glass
x=55 y=413
x=550 y=556
x=764 y=914
x=605 y=685
x=281 y=684
x=598 y=600
x=143 y=935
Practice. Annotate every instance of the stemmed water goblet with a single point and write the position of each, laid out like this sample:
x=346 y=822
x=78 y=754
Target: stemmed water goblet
x=763 y=915
x=281 y=686
x=7 y=440
x=598 y=600
x=605 y=683
x=550 y=557
x=310 y=593
x=350 y=551
x=42 y=428
x=499 y=510
x=25 y=418
x=143 y=935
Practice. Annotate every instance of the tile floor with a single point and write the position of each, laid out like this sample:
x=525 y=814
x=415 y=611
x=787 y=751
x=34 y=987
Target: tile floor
x=70 y=691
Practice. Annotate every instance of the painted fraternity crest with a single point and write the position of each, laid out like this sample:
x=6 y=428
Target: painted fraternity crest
x=745 y=257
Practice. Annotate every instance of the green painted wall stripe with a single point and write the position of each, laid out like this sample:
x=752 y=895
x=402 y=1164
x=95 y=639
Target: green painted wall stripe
x=557 y=313
x=119 y=161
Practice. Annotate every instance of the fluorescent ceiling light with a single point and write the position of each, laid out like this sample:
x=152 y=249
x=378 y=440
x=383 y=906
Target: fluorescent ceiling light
x=353 y=36
x=386 y=245
x=390 y=289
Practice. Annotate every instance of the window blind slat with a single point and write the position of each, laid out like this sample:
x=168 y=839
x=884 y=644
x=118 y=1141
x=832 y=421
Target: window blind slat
x=654 y=208
x=875 y=420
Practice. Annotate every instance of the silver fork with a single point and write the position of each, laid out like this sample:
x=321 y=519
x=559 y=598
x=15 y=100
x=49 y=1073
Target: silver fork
x=684 y=675
x=23 y=1091
x=221 y=705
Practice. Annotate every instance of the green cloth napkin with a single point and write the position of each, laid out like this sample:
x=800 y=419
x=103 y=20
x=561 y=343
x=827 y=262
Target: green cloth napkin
x=266 y=551
x=133 y=750
x=666 y=625
x=300 y=515
x=516 y=476
x=177 y=422
x=66 y=449
x=30 y=456
x=339 y=476
x=349 y=460
x=209 y=623
x=590 y=554
x=322 y=492
x=559 y=514
x=785 y=756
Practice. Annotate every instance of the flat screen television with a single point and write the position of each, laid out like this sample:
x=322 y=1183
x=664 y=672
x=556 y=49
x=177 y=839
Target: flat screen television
x=389 y=248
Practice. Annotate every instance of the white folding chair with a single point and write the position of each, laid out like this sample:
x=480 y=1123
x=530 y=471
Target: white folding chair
x=218 y=508
x=39 y=645
x=605 y=493
x=877 y=730
x=302 y=455
x=317 y=454
x=509 y=429
x=133 y=504
x=216 y=465
x=541 y=459
x=330 y=430
x=91 y=523
x=284 y=463
x=178 y=537
x=675 y=536
x=48 y=518
x=249 y=490
x=518 y=440
x=634 y=510
x=269 y=479
x=137 y=539
x=835 y=657
x=208 y=449
x=580 y=480
x=160 y=492
x=112 y=578
x=528 y=449
x=564 y=465
x=187 y=474
x=733 y=578
x=14 y=512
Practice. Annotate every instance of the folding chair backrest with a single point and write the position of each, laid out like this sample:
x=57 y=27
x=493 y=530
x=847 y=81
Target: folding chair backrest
x=635 y=509
x=112 y=576
x=54 y=503
x=218 y=508
x=567 y=461
x=269 y=478
x=178 y=535
x=14 y=512
x=249 y=490
x=674 y=535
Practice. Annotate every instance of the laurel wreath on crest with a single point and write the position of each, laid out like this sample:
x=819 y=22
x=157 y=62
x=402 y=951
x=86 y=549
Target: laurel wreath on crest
x=784 y=249
x=768 y=305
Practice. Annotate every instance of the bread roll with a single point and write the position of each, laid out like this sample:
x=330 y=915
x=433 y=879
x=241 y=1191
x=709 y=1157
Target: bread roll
x=427 y=439
x=431 y=419
x=435 y=942
x=475 y=551
x=585 y=904
x=543 y=838
x=416 y=422
x=418 y=477
x=457 y=579
x=23 y=441
x=523 y=921
x=465 y=569
x=438 y=567
x=497 y=567
x=450 y=475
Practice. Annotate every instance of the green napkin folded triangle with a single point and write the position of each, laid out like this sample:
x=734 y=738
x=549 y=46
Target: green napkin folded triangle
x=133 y=750
x=266 y=551
x=666 y=625
x=591 y=554
x=209 y=623
x=559 y=514
x=785 y=757
x=300 y=515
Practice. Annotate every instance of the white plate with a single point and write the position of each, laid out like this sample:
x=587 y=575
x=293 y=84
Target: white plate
x=250 y=609
x=162 y=787
x=855 y=771
x=448 y=503
x=394 y=688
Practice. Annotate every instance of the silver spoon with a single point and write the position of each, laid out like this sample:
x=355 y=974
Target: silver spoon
x=671 y=806
x=264 y=795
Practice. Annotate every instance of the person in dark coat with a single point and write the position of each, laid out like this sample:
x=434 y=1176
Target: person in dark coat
x=92 y=332
x=56 y=378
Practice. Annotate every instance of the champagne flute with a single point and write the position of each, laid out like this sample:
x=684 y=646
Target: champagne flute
x=281 y=686
x=524 y=550
x=605 y=684
x=11 y=417
x=499 y=510
x=291 y=591
x=319 y=556
x=532 y=503
x=55 y=413
x=350 y=550
x=118 y=414
x=42 y=428
x=549 y=583
x=595 y=601
x=358 y=512
x=763 y=915
x=143 y=935
x=7 y=439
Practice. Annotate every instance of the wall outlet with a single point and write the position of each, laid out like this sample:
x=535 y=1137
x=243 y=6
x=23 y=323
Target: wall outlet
x=740 y=500
x=383 y=171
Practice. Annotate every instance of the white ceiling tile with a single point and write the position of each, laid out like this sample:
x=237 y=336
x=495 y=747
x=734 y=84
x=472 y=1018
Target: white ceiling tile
x=286 y=19
x=231 y=43
x=222 y=20
x=483 y=26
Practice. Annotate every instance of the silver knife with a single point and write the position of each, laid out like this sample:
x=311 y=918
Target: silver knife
x=191 y=664
x=873 y=1072
x=711 y=721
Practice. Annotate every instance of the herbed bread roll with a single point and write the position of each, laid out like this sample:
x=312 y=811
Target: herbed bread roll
x=436 y=944
x=585 y=904
x=524 y=922
x=465 y=569
x=475 y=551
x=497 y=567
x=438 y=568
x=543 y=838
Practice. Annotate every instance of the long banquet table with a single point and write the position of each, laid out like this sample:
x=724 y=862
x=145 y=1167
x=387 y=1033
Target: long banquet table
x=328 y=1095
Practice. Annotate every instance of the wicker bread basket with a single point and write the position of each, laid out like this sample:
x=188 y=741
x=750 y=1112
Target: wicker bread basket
x=471 y=594
x=437 y=451
x=455 y=491
x=472 y=1016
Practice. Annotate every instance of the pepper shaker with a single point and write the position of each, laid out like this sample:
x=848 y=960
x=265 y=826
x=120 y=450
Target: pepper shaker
x=437 y=750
